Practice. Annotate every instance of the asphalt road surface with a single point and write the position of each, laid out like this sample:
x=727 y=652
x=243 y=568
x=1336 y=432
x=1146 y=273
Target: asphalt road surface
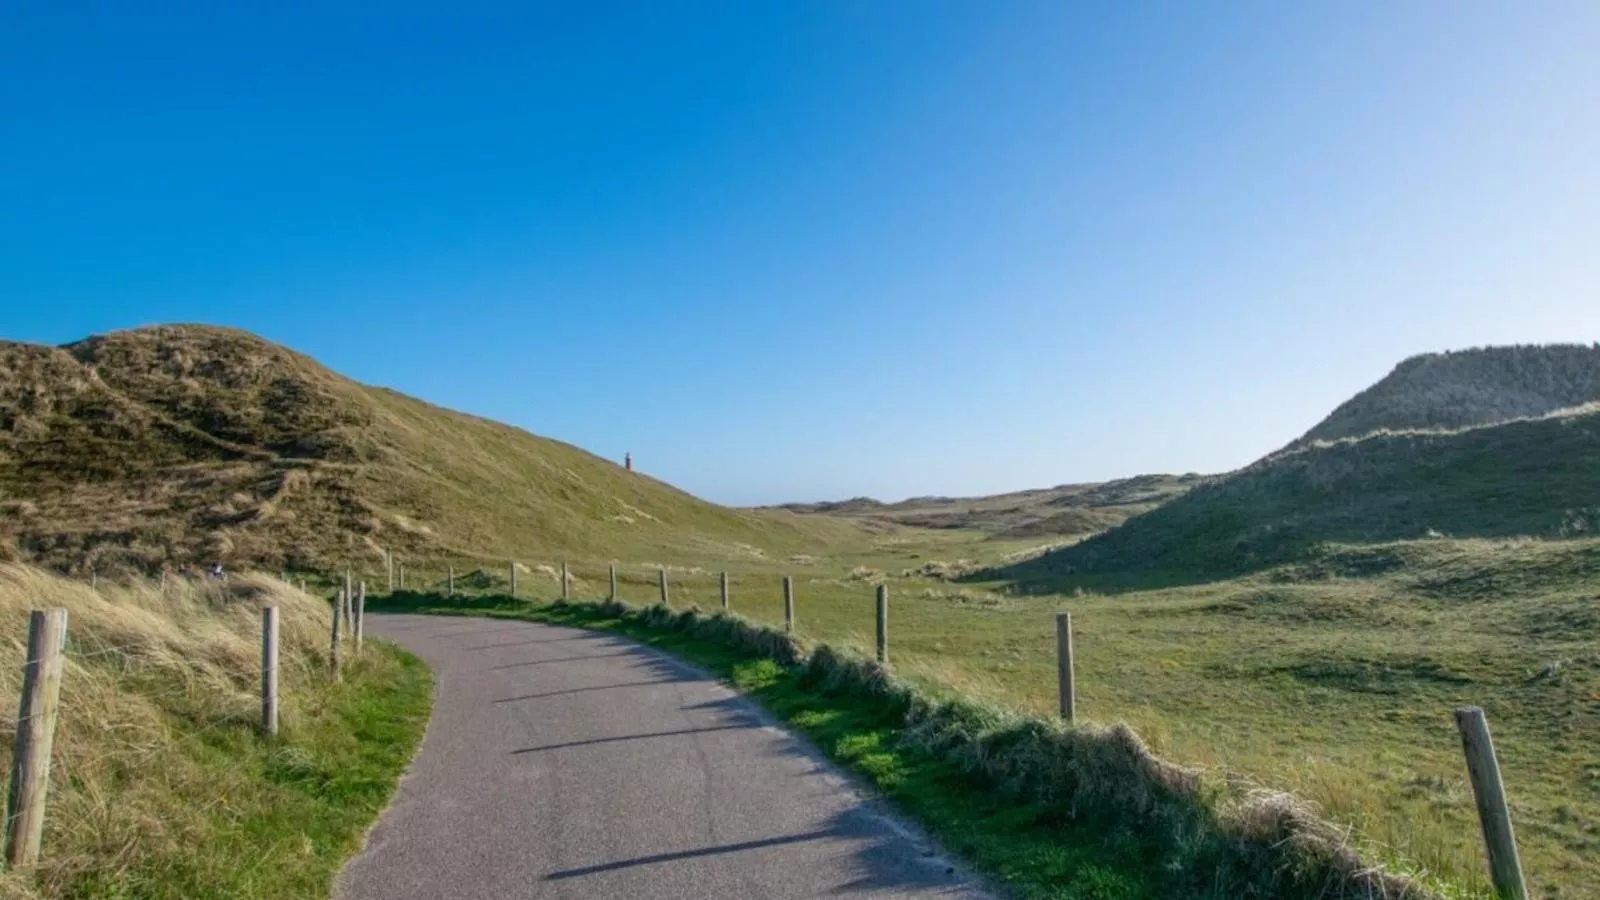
x=571 y=764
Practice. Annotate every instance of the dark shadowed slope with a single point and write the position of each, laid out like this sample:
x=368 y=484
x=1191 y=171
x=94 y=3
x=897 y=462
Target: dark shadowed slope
x=1466 y=388
x=1536 y=477
x=1489 y=442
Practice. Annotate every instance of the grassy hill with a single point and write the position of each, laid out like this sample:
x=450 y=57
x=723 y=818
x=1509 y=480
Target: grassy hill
x=176 y=444
x=1068 y=509
x=1536 y=476
x=1467 y=388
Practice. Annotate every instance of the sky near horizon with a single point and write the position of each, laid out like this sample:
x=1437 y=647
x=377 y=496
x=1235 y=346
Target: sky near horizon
x=798 y=251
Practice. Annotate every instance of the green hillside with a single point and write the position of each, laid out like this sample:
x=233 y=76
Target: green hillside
x=176 y=444
x=1537 y=477
x=1465 y=388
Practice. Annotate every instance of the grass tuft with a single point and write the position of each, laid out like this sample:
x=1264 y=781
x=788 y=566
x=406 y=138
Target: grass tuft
x=161 y=785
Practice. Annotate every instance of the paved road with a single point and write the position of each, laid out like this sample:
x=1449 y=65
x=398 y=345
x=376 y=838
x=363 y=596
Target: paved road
x=571 y=764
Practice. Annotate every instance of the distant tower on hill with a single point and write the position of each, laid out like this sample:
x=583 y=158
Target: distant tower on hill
x=627 y=460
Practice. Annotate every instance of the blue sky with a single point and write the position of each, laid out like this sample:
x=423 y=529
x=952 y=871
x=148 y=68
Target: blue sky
x=788 y=251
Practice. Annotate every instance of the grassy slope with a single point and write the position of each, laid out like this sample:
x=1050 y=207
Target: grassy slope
x=161 y=786
x=1333 y=677
x=1529 y=477
x=191 y=444
x=1467 y=388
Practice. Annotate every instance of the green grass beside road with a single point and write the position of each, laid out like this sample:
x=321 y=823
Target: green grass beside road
x=1332 y=677
x=1048 y=812
x=281 y=817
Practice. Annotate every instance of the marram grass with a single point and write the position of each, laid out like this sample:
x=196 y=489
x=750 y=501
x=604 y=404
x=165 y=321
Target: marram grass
x=161 y=784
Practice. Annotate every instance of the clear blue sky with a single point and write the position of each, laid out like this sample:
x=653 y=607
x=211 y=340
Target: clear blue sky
x=804 y=250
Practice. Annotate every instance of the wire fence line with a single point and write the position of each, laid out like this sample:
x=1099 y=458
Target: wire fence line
x=1478 y=747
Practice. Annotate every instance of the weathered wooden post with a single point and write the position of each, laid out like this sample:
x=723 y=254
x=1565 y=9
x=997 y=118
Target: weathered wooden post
x=1505 y=868
x=663 y=585
x=269 y=669
x=94 y=580
x=513 y=570
x=361 y=615
x=883 y=624
x=36 y=735
x=388 y=568
x=1065 y=675
x=613 y=582
x=333 y=649
x=450 y=583
x=349 y=599
x=788 y=604
x=566 y=580
x=724 y=587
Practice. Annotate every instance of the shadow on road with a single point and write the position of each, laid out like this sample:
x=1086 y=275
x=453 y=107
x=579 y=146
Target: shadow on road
x=584 y=690
x=689 y=854
x=561 y=659
x=598 y=639
x=875 y=856
x=636 y=737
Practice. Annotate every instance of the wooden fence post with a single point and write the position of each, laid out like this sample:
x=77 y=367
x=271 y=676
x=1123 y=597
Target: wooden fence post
x=724 y=590
x=566 y=580
x=613 y=582
x=361 y=615
x=663 y=585
x=788 y=604
x=349 y=598
x=333 y=650
x=883 y=624
x=388 y=568
x=36 y=735
x=513 y=570
x=1065 y=675
x=269 y=669
x=1505 y=869
x=450 y=583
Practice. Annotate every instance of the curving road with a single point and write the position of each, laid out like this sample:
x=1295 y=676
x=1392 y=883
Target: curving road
x=572 y=764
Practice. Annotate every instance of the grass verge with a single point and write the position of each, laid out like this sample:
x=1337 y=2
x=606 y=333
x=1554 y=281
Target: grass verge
x=1049 y=811
x=162 y=786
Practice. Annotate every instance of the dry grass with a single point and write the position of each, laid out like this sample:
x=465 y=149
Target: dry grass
x=190 y=444
x=150 y=675
x=1468 y=388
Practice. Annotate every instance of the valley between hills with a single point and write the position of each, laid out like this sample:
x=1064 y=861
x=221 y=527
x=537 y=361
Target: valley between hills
x=1304 y=624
